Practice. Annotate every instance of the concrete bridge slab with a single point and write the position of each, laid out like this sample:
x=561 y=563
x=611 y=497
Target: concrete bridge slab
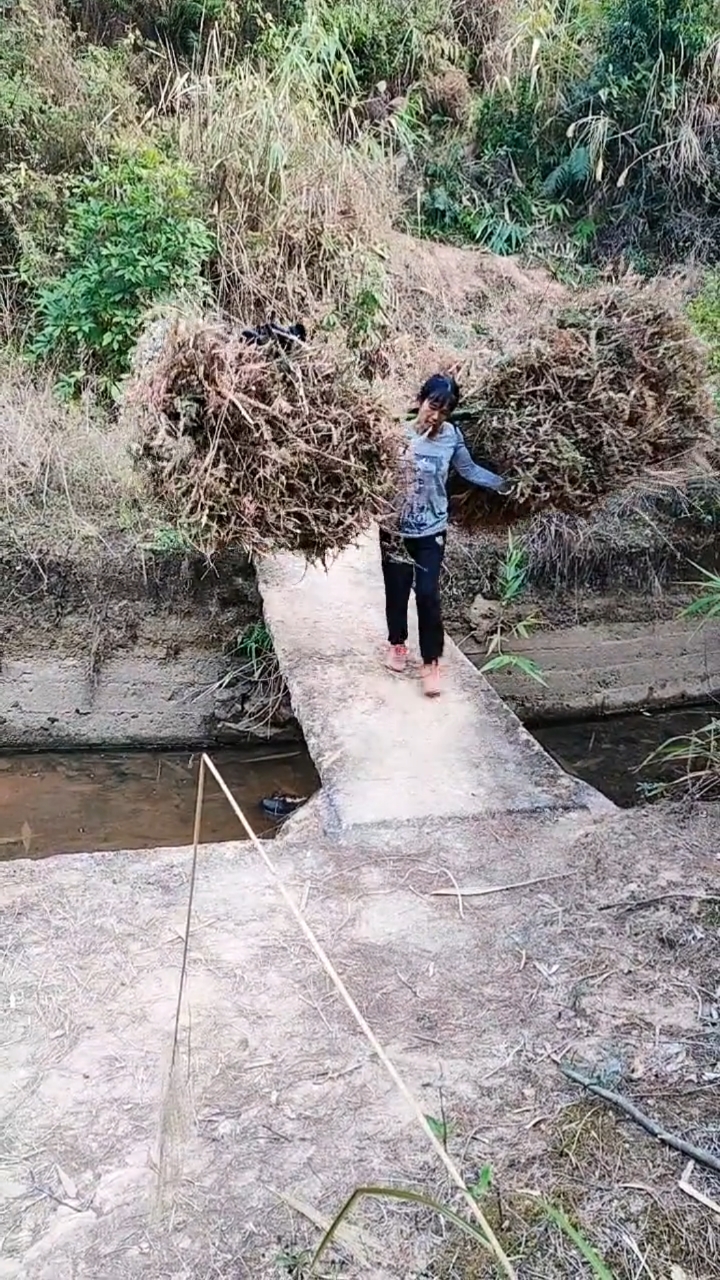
x=384 y=753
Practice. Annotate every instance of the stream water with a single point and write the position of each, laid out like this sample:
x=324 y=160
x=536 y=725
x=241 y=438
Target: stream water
x=609 y=753
x=81 y=801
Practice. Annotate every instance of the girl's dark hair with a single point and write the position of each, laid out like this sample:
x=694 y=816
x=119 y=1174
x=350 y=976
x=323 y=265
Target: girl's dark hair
x=442 y=391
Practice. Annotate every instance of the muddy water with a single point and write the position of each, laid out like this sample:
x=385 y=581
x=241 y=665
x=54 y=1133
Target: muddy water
x=609 y=753
x=81 y=801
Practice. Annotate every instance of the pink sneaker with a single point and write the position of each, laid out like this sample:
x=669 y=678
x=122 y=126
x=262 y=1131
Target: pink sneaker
x=430 y=677
x=397 y=658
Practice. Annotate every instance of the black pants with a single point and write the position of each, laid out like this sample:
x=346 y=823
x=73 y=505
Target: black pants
x=420 y=560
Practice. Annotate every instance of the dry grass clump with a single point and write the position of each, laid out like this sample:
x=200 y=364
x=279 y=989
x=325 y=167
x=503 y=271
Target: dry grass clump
x=578 y=410
x=448 y=94
x=271 y=450
x=64 y=473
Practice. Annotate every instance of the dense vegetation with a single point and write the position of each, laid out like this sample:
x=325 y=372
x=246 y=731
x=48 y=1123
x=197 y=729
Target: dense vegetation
x=258 y=151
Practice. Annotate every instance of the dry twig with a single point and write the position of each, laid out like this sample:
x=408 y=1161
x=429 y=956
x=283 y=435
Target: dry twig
x=481 y=892
x=686 y=1185
x=624 y=1104
x=637 y=904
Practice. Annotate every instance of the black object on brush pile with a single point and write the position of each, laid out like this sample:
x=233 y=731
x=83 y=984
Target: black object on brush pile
x=595 y=398
x=267 y=449
x=286 y=337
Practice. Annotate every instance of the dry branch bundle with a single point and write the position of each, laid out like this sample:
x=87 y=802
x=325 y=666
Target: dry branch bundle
x=601 y=393
x=448 y=93
x=261 y=447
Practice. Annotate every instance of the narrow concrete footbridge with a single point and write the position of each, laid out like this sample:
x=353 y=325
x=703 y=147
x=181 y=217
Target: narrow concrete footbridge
x=383 y=752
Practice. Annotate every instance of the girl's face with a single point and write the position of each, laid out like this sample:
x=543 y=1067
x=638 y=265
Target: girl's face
x=431 y=416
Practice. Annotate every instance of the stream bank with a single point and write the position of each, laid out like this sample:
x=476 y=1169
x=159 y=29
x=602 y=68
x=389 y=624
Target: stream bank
x=145 y=648
x=601 y=611
x=134 y=648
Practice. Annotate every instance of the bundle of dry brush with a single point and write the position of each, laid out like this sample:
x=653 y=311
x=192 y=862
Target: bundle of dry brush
x=595 y=398
x=269 y=449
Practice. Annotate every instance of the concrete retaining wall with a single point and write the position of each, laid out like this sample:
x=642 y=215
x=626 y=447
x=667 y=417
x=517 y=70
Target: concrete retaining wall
x=598 y=669
x=135 y=700
x=125 y=653
x=144 y=696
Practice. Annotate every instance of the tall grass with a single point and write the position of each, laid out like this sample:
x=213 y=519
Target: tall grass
x=552 y=43
x=697 y=754
x=297 y=213
x=65 y=473
x=379 y=41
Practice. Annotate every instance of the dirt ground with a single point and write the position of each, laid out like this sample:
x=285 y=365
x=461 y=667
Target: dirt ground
x=448 y=303
x=277 y=1109
x=104 y=602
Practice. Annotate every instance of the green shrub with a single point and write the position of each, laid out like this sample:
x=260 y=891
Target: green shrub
x=59 y=134
x=640 y=31
x=509 y=124
x=453 y=205
x=61 y=106
x=704 y=311
x=482 y=199
x=32 y=214
x=181 y=24
x=132 y=237
x=61 y=103
x=448 y=204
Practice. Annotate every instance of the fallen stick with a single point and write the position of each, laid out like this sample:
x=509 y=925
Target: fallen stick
x=686 y=1185
x=698 y=1154
x=478 y=892
x=638 y=903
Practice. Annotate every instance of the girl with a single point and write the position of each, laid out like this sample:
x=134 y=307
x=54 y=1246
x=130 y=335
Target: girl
x=417 y=548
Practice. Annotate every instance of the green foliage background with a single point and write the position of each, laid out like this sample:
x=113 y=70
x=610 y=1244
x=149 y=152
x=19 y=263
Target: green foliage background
x=132 y=236
x=577 y=130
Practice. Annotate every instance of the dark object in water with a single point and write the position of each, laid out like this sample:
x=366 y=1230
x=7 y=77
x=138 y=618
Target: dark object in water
x=285 y=337
x=280 y=806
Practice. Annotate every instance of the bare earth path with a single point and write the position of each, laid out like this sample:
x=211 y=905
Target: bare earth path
x=279 y=1093
x=104 y=1175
